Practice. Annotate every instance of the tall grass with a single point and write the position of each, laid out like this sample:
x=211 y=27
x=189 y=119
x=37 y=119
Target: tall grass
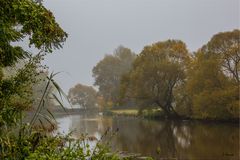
x=44 y=98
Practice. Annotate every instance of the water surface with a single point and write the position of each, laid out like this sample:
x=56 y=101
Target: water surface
x=160 y=139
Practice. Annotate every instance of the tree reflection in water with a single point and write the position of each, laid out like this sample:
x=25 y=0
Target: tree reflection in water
x=163 y=139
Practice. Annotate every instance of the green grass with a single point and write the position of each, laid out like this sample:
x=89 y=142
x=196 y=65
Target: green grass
x=151 y=113
x=124 y=112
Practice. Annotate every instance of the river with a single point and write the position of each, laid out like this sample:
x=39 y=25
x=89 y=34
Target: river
x=159 y=139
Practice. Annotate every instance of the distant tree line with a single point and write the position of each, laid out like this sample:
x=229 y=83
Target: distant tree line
x=85 y=96
x=108 y=75
x=166 y=76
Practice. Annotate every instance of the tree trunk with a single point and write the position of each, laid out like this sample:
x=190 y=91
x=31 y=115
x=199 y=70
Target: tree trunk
x=168 y=110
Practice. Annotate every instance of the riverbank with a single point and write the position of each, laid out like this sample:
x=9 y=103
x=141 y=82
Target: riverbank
x=148 y=114
x=157 y=114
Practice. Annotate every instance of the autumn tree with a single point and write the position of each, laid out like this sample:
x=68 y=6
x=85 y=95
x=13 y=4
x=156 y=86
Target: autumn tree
x=85 y=96
x=108 y=73
x=18 y=20
x=156 y=73
x=226 y=47
x=213 y=80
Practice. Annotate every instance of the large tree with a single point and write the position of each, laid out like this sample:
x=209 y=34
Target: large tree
x=156 y=73
x=226 y=47
x=213 y=78
x=85 y=96
x=109 y=70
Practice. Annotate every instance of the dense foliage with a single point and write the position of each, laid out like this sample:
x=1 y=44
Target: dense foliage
x=41 y=146
x=108 y=73
x=20 y=19
x=165 y=76
x=213 y=83
x=85 y=96
x=20 y=73
x=157 y=71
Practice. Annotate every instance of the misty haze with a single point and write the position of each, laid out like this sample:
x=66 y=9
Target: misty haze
x=114 y=80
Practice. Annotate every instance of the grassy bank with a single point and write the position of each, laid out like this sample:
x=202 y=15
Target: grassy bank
x=159 y=114
x=151 y=114
x=125 y=112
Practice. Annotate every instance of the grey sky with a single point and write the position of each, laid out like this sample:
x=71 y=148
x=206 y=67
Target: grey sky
x=97 y=27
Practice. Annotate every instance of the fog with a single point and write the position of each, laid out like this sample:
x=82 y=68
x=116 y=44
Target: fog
x=97 y=27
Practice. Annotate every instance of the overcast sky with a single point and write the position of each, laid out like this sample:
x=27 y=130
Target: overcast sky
x=97 y=27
